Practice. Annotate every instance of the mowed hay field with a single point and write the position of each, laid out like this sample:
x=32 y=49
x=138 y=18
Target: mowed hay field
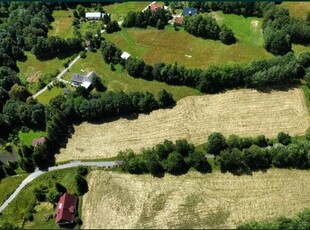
x=242 y=112
x=194 y=200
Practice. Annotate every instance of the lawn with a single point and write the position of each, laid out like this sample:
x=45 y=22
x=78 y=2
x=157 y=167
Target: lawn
x=193 y=200
x=32 y=69
x=47 y=95
x=120 y=80
x=19 y=207
x=8 y=186
x=62 y=26
x=119 y=10
x=27 y=138
x=297 y=9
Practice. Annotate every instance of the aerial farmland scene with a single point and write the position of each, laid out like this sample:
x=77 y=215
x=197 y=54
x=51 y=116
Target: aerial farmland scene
x=155 y=115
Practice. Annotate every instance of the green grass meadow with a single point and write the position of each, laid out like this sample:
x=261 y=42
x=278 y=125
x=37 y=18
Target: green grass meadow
x=62 y=25
x=171 y=46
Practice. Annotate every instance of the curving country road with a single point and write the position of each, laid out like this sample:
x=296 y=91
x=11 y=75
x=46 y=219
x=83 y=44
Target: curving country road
x=37 y=173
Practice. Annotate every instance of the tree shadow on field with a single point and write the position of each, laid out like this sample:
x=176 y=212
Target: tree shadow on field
x=284 y=88
x=130 y=117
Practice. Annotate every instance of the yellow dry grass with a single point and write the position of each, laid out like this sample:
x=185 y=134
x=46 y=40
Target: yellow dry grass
x=242 y=112
x=297 y=9
x=193 y=200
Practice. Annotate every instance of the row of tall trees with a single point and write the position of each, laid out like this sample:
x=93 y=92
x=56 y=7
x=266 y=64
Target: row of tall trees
x=235 y=154
x=175 y=158
x=208 y=28
x=276 y=71
x=158 y=18
x=243 y=155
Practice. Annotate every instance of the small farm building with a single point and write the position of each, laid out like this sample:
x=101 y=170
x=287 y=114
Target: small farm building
x=125 y=55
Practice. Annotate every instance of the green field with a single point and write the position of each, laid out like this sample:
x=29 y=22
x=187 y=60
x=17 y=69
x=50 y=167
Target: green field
x=8 y=186
x=170 y=46
x=27 y=138
x=19 y=207
x=119 y=10
x=62 y=26
x=120 y=80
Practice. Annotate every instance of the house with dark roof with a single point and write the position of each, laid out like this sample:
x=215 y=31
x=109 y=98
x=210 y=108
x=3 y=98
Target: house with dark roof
x=189 y=11
x=66 y=209
x=38 y=141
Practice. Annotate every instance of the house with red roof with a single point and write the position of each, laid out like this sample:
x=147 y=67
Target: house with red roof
x=66 y=209
x=156 y=6
x=38 y=141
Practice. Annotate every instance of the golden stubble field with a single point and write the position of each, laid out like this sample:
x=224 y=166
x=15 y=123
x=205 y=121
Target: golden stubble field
x=242 y=112
x=194 y=200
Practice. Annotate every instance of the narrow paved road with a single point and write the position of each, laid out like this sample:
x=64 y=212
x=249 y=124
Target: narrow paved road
x=58 y=77
x=37 y=173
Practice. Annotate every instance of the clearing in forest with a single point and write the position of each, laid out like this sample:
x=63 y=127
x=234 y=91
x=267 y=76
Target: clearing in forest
x=243 y=112
x=194 y=200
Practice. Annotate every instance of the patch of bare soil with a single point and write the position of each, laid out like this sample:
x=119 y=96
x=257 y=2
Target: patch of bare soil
x=216 y=200
x=241 y=112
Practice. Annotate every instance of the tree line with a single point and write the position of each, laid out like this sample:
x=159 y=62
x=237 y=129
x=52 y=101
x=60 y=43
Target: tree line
x=207 y=27
x=276 y=71
x=239 y=155
x=175 y=158
x=54 y=45
x=158 y=18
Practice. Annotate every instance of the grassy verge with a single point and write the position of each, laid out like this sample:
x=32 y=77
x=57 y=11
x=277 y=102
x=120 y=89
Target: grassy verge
x=27 y=138
x=8 y=186
x=19 y=207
